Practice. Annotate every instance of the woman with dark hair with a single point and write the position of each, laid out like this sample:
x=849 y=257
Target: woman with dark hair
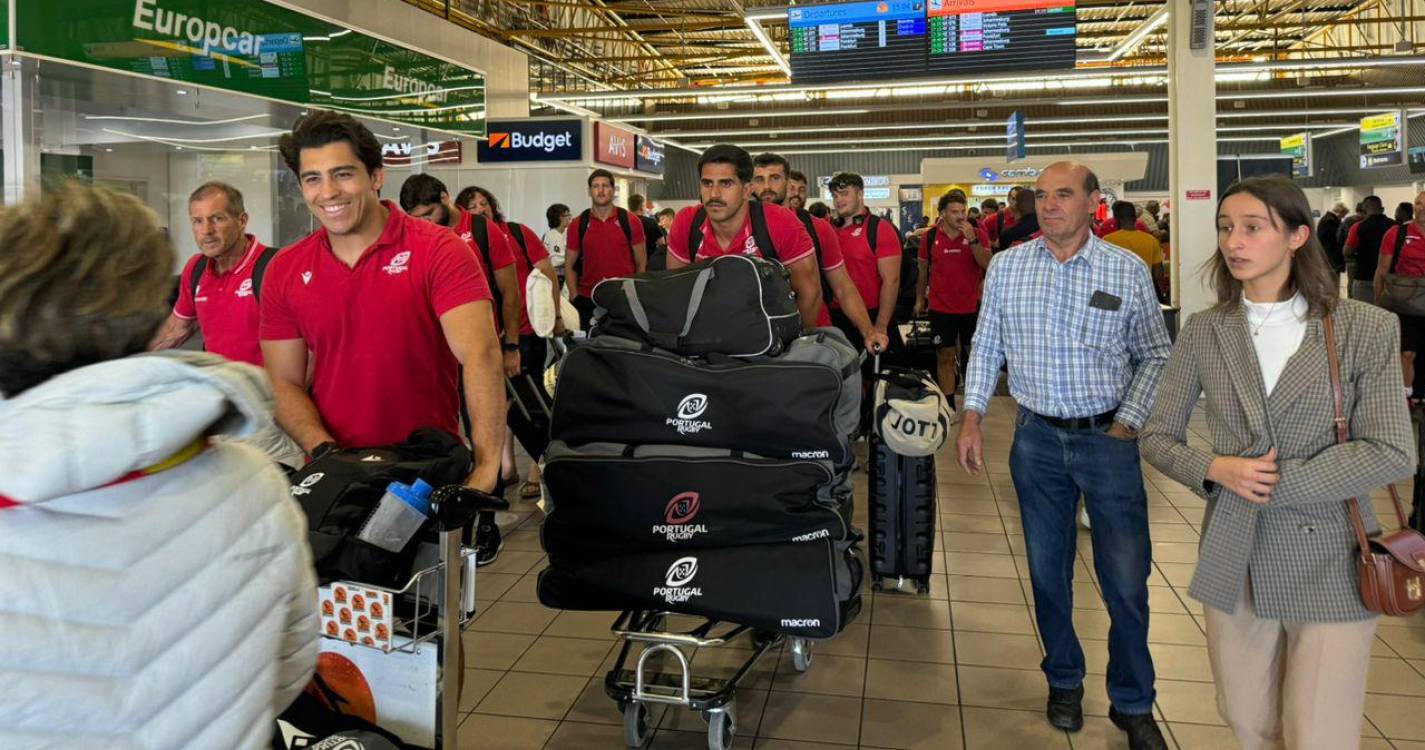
x=1287 y=634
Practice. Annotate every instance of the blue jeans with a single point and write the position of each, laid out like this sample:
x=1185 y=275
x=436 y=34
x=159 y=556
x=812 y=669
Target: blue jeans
x=1051 y=466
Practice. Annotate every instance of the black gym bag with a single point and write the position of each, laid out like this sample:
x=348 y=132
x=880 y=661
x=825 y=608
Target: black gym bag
x=736 y=305
x=802 y=404
x=807 y=589
x=608 y=498
x=340 y=490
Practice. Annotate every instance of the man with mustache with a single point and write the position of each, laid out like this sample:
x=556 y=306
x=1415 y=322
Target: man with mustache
x=771 y=182
x=724 y=224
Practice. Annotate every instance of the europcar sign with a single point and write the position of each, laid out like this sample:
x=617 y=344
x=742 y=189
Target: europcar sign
x=532 y=140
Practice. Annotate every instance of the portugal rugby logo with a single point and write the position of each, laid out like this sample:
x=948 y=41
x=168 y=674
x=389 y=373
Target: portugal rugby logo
x=686 y=421
x=677 y=517
x=676 y=589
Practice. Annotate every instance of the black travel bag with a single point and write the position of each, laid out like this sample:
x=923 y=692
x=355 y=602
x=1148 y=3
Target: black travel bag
x=808 y=589
x=901 y=508
x=801 y=404
x=605 y=499
x=340 y=490
x=734 y=305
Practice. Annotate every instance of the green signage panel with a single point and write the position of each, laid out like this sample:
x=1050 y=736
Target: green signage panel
x=1382 y=142
x=252 y=47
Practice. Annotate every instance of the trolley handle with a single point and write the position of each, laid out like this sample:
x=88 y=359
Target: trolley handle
x=455 y=506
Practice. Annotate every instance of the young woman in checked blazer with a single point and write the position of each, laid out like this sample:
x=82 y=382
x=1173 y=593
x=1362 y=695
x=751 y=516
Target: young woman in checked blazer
x=1287 y=634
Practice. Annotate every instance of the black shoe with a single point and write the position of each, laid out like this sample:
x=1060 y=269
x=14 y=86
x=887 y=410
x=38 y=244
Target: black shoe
x=1066 y=709
x=488 y=541
x=1142 y=730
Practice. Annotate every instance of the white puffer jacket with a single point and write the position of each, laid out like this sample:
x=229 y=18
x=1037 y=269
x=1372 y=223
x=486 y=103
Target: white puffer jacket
x=176 y=610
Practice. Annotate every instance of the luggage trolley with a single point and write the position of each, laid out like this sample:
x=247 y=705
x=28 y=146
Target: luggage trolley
x=432 y=609
x=634 y=689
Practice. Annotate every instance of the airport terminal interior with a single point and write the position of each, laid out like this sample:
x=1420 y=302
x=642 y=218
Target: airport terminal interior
x=1169 y=103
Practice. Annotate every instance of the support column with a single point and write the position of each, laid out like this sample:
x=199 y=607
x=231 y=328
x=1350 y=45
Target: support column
x=1192 y=155
x=17 y=129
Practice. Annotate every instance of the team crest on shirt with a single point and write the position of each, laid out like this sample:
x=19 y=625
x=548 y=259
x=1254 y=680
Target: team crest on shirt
x=856 y=232
x=245 y=288
x=398 y=263
x=750 y=246
x=306 y=277
x=466 y=236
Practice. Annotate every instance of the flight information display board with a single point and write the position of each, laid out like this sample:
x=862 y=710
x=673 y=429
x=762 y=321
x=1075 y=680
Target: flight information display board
x=985 y=36
x=857 y=41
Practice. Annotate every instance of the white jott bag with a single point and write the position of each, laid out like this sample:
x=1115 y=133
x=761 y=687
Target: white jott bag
x=912 y=415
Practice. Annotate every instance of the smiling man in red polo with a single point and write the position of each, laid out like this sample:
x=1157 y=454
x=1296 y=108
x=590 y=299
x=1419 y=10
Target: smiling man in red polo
x=725 y=187
x=389 y=306
x=604 y=242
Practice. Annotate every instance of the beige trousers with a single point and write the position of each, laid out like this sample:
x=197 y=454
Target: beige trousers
x=1289 y=685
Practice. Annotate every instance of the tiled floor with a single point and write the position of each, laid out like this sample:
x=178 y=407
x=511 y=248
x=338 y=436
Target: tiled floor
x=958 y=668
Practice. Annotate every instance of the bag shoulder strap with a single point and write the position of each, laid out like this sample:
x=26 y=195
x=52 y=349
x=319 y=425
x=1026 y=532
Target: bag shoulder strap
x=760 y=235
x=197 y=274
x=1401 y=230
x=259 y=269
x=517 y=232
x=625 y=226
x=695 y=233
x=873 y=230
x=930 y=245
x=805 y=217
x=480 y=230
x=584 y=218
x=1343 y=435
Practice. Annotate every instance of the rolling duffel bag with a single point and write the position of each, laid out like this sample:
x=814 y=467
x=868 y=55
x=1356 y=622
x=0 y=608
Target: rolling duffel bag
x=735 y=305
x=801 y=404
x=809 y=589
x=605 y=499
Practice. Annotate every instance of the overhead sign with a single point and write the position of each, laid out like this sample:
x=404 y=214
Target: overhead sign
x=990 y=174
x=1014 y=147
x=404 y=154
x=613 y=146
x=1298 y=147
x=253 y=47
x=1382 y=140
x=650 y=155
x=969 y=37
x=857 y=40
x=532 y=140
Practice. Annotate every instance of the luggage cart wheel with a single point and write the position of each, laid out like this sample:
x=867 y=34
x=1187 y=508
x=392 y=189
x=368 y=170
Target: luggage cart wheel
x=721 y=726
x=636 y=727
x=801 y=654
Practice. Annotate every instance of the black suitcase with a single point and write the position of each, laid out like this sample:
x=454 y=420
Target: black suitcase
x=902 y=511
x=1417 y=514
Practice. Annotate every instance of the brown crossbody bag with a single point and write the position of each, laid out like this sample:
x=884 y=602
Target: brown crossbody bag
x=1392 y=564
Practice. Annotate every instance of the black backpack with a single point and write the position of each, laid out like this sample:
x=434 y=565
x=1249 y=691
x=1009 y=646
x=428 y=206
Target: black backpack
x=585 y=217
x=340 y=490
x=259 y=269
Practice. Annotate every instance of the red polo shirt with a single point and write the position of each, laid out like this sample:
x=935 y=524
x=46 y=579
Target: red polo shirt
x=860 y=263
x=607 y=252
x=383 y=367
x=534 y=252
x=225 y=307
x=501 y=255
x=1412 y=253
x=1110 y=225
x=955 y=276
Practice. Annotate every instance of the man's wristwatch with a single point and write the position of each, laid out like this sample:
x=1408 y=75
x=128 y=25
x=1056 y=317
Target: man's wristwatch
x=507 y=346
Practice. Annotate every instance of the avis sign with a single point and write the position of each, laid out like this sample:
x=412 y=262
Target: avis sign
x=532 y=140
x=613 y=146
x=406 y=154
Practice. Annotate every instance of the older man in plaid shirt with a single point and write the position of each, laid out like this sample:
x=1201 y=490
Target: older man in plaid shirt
x=1078 y=322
